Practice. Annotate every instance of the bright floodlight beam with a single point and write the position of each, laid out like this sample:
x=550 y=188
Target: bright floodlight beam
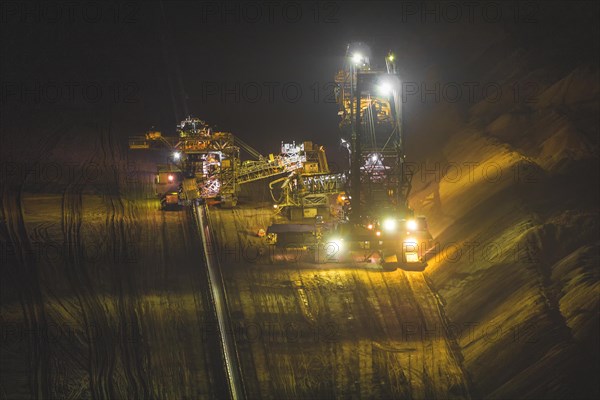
x=336 y=243
x=176 y=155
x=389 y=225
x=411 y=225
x=384 y=89
x=357 y=58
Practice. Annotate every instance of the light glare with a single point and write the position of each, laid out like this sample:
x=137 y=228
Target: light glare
x=384 y=89
x=389 y=225
x=411 y=225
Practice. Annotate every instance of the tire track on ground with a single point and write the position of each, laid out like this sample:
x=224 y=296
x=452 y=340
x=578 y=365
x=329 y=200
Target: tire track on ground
x=101 y=362
x=134 y=353
x=26 y=274
x=26 y=271
x=96 y=319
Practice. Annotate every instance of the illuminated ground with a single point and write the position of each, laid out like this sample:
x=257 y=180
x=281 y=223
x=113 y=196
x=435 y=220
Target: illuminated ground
x=310 y=331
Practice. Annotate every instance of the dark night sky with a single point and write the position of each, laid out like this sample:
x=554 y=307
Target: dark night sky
x=152 y=51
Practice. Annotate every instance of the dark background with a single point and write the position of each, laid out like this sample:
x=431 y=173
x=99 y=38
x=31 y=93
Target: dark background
x=154 y=61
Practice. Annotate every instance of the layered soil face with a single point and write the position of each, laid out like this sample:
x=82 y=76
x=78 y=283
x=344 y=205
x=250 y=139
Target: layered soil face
x=511 y=193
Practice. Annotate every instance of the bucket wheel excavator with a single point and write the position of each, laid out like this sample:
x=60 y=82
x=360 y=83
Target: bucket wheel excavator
x=203 y=164
x=374 y=223
x=379 y=225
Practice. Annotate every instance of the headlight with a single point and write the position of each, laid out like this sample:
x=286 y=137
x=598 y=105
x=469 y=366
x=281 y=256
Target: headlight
x=411 y=225
x=389 y=225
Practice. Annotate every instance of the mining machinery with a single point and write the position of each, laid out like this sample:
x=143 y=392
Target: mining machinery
x=204 y=164
x=379 y=226
x=200 y=161
x=376 y=224
x=306 y=192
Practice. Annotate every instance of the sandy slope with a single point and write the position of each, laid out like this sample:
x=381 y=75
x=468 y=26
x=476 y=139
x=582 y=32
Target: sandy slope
x=518 y=234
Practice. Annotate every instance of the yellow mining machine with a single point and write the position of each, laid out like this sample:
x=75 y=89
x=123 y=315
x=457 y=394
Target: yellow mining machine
x=378 y=226
x=306 y=192
x=203 y=164
x=373 y=223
